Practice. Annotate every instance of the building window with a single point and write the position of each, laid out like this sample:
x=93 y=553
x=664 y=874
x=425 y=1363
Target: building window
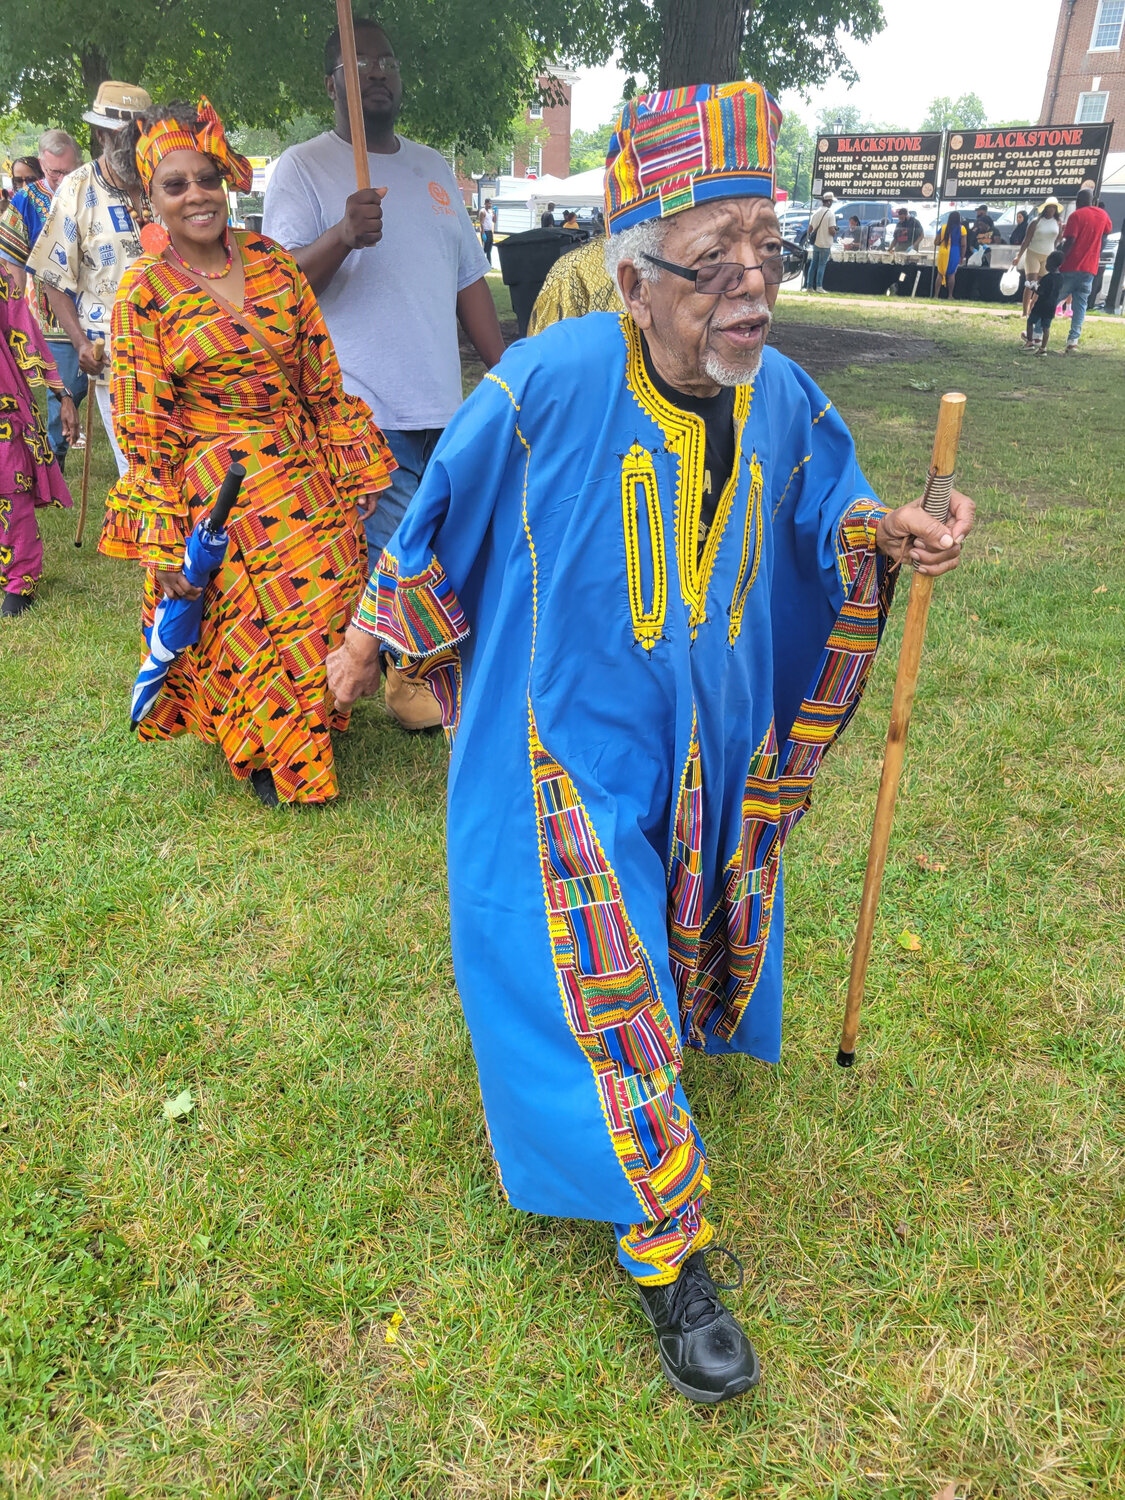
x=1091 y=109
x=535 y=112
x=537 y=161
x=1107 y=27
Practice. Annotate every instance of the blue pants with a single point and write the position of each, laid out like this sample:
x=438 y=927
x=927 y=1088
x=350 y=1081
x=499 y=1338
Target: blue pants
x=818 y=264
x=412 y=453
x=65 y=357
x=1077 y=285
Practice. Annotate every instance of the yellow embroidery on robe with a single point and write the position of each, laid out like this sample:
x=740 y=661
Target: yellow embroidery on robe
x=686 y=437
x=639 y=495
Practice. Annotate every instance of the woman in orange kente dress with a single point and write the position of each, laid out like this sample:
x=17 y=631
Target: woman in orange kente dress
x=193 y=391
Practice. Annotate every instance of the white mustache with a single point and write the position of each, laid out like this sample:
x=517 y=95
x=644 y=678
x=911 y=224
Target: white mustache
x=740 y=314
x=747 y=309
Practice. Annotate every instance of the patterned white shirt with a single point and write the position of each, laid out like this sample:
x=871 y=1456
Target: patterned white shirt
x=89 y=240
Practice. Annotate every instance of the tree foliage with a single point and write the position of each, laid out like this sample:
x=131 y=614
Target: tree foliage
x=589 y=148
x=964 y=113
x=470 y=67
x=796 y=143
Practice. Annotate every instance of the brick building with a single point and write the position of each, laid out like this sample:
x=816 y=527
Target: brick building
x=1086 y=78
x=552 y=158
x=552 y=122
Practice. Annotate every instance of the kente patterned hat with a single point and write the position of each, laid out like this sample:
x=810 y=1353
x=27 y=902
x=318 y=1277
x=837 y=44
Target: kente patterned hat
x=206 y=135
x=682 y=147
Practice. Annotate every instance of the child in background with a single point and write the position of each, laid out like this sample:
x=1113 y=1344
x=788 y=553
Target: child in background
x=1043 y=309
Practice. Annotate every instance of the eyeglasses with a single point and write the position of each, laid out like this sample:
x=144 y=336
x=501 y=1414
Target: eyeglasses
x=727 y=276
x=176 y=187
x=388 y=63
x=22 y=182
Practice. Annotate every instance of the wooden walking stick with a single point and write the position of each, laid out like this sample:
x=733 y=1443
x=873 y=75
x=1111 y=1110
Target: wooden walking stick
x=939 y=488
x=91 y=402
x=351 y=83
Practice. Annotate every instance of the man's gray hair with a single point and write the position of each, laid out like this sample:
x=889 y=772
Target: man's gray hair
x=634 y=244
x=55 y=142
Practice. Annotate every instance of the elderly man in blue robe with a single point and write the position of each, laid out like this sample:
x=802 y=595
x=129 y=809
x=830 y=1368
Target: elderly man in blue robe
x=646 y=579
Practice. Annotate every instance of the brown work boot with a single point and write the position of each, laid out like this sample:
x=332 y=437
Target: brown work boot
x=411 y=704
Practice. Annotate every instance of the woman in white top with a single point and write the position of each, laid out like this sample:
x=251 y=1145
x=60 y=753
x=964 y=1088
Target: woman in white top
x=1042 y=235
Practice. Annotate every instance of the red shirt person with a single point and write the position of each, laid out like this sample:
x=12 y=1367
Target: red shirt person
x=1081 y=245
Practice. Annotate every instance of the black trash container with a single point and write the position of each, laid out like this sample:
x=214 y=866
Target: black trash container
x=525 y=260
x=253 y=222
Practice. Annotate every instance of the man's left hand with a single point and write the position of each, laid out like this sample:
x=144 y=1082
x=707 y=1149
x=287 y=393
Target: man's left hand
x=365 y=505
x=68 y=419
x=908 y=533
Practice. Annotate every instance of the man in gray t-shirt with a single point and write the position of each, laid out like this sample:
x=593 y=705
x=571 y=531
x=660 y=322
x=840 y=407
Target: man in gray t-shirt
x=393 y=277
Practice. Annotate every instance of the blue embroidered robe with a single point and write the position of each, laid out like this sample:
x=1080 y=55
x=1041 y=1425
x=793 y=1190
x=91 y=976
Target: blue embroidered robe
x=635 y=726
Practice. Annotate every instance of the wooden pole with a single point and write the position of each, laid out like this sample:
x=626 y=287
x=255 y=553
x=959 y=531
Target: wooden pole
x=936 y=501
x=351 y=83
x=91 y=402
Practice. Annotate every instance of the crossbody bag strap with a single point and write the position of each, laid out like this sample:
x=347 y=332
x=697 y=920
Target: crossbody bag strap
x=252 y=327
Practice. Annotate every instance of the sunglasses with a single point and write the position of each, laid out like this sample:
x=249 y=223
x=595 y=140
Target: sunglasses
x=176 y=187
x=727 y=276
x=22 y=182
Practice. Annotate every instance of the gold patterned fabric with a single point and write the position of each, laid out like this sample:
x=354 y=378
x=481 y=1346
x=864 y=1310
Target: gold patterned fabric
x=576 y=284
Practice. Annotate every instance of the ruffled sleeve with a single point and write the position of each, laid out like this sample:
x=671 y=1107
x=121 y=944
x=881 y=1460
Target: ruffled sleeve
x=148 y=518
x=357 y=457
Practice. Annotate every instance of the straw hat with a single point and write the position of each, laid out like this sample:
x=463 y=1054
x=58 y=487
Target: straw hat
x=1051 y=203
x=116 y=104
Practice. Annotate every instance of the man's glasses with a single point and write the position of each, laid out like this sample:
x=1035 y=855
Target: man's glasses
x=714 y=280
x=388 y=63
x=176 y=187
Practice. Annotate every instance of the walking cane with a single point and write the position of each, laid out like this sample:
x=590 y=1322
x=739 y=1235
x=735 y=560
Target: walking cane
x=939 y=488
x=91 y=402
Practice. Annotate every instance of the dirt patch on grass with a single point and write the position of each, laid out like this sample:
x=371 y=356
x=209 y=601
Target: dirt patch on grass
x=817 y=349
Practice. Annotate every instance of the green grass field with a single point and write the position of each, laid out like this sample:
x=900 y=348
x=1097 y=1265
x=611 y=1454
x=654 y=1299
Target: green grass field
x=310 y=1286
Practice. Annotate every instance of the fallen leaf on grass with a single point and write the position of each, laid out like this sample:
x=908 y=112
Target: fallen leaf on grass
x=926 y=863
x=391 y=1335
x=181 y=1105
x=910 y=941
x=949 y=1493
x=1102 y=588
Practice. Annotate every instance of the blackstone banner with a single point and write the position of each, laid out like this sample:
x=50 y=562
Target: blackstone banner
x=877 y=166
x=1038 y=161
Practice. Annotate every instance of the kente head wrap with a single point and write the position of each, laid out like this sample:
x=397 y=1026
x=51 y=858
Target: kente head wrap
x=682 y=147
x=206 y=135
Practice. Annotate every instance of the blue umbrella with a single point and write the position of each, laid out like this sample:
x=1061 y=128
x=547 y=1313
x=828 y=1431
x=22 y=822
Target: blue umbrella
x=177 y=622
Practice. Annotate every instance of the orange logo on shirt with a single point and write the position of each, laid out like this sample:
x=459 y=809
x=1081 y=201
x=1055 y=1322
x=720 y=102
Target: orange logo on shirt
x=441 y=198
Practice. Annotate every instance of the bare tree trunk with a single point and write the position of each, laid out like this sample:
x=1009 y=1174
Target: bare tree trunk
x=95 y=70
x=702 y=42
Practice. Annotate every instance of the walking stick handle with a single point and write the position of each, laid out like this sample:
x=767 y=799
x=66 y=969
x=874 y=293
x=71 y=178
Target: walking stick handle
x=351 y=83
x=939 y=489
x=99 y=350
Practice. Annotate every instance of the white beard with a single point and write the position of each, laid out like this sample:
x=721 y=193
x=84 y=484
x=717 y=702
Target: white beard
x=723 y=374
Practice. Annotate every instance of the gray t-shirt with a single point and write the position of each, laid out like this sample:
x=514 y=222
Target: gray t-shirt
x=391 y=309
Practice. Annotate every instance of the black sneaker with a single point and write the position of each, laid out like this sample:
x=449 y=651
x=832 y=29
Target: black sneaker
x=264 y=789
x=15 y=604
x=703 y=1350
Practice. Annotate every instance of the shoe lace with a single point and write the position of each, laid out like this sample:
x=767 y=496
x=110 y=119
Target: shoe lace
x=695 y=1296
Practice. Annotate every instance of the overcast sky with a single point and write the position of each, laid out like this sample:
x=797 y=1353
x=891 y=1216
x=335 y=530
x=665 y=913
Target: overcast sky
x=999 y=51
